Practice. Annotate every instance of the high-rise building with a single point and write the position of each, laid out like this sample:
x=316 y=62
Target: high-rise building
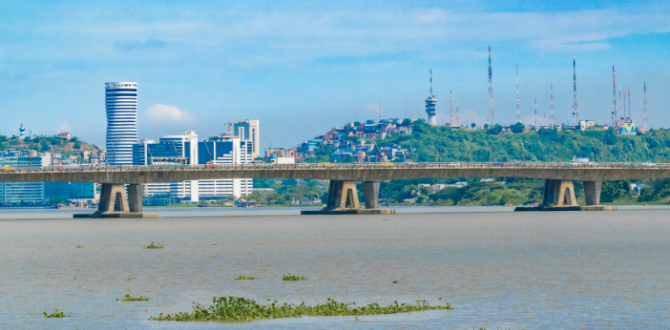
x=248 y=130
x=121 y=104
x=23 y=192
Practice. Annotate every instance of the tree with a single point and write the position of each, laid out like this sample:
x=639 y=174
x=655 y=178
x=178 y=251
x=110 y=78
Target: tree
x=356 y=123
x=612 y=190
x=289 y=182
x=310 y=182
x=496 y=129
x=406 y=122
x=518 y=128
x=263 y=183
x=473 y=125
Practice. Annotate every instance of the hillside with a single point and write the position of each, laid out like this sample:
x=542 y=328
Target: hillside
x=46 y=143
x=441 y=143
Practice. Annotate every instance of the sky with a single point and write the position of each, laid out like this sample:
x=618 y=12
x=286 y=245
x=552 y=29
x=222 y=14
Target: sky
x=304 y=67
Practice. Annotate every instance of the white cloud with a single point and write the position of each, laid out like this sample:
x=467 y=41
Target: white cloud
x=160 y=113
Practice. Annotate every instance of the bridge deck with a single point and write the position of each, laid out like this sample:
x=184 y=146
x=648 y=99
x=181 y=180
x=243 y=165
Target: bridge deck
x=327 y=171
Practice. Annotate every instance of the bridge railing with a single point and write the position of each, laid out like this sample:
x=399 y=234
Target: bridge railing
x=335 y=166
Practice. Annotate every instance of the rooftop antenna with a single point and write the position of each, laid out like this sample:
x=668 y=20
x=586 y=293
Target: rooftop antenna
x=575 y=112
x=645 y=119
x=380 y=110
x=552 y=118
x=613 y=97
x=431 y=83
x=491 y=115
x=517 y=117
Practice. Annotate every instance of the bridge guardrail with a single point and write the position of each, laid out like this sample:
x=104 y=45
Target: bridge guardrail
x=335 y=166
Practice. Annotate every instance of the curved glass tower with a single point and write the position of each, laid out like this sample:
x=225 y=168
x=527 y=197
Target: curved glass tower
x=121 y=103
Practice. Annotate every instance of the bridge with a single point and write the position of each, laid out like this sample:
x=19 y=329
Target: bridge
x=558 y=190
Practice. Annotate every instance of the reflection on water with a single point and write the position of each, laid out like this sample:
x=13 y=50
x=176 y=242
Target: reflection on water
x=590 y=270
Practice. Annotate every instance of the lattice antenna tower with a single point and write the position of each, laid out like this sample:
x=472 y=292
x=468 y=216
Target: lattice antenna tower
x=645 y=119
x=451 y=111
x=535 y=113
x=613 y=96
x=629 y=114
x=491 y=115
x=517 y=117
x=624 y=105
x=552 y=117
x=620 y=108
x=575 y=110
x=458 y=119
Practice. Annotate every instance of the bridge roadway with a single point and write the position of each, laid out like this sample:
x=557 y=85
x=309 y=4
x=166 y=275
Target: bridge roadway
x=558 y=191
x=343 y=172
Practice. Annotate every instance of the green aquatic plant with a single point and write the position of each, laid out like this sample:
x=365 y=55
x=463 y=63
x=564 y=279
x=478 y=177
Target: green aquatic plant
x=231 y=309
x=156 y=246
x=240 y=278
x=290 y=277
x=80 y=246
x=140 y=298
x=56 y=314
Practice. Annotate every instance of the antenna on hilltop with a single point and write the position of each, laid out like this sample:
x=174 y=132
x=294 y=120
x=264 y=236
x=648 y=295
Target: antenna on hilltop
x=645 y=119
x=517 y=117
x=575 y=112
x=613 y=96
x=491 y=115
x=431 y=83
x=552 y=117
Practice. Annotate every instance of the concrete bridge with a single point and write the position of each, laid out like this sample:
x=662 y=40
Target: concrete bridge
x=558 y=191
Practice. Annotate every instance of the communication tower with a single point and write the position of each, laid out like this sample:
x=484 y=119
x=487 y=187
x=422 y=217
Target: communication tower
x=575 y=111
x=431 y=103
x=491 y=115
x=451 y=111
x=552 y=117
x=645 y=119
x=517 y=117
x=613 y=97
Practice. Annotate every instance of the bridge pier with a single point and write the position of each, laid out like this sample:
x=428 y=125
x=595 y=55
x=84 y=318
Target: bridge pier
x=343 y=199
x=592 y=192
x=114 y=204
x=559 y=193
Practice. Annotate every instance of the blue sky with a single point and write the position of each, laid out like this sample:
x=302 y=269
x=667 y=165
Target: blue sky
x=303 y=68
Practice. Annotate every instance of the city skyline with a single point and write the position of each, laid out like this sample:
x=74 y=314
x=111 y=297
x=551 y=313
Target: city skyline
x=196 y=73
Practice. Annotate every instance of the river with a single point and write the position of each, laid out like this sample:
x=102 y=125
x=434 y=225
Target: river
x=527 y=270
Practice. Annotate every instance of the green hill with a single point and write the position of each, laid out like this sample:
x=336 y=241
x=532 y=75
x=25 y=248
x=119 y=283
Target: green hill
x=42 y=143
x=441 y=143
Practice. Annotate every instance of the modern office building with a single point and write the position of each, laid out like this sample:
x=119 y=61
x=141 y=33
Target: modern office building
x=248 y=130
x=187 y=151
x=23 y=192
x=121 y=104
x=76 y=192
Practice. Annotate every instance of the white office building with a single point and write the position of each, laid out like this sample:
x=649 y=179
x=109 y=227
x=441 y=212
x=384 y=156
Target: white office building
x=121 y=105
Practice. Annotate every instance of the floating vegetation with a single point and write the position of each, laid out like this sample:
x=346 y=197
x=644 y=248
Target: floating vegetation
x=240 y=278
x=231 y=309
x=290 y=277
x=56 y=314
x=80 y=246
x=154 y=246
x=140 y=298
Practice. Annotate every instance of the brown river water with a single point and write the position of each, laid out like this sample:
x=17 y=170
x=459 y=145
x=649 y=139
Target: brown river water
x=552 y=270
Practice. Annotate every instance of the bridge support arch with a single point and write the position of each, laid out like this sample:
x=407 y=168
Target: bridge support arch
x=559 y=193
x=343 y=199
x=114 y=203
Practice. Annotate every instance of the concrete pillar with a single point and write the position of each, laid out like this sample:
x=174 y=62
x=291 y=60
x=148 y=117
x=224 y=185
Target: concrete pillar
x=135 y=197
x=592 y=192
x=113 y=198
x=342 y=195
x=371 y=194
x=559 y=193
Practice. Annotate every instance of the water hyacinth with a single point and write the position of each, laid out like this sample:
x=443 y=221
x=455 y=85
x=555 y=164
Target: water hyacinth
x=154 y=246
x=248 y=278
x=140 y=298
x=231 y=309
x=56 y=314
x=290 y=277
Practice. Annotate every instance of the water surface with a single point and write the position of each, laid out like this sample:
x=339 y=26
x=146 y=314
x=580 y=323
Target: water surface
x=580 y=270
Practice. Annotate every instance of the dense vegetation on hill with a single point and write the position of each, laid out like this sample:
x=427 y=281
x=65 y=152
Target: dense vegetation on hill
x=42 y=143
x=442 y=143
